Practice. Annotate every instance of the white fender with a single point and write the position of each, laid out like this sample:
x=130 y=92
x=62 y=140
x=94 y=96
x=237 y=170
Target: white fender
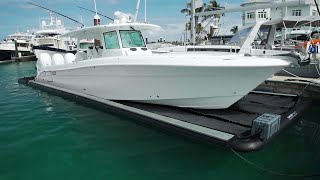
x=44 y=60
x=69 y=58
x=57 y=59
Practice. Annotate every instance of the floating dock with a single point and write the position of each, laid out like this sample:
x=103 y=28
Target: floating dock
x=230 y=127
x=303 y=87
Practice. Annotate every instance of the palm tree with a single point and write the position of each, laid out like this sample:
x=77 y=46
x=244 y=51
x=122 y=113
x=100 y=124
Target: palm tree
x=212 y=6
x=234 y=29
x=187 y=11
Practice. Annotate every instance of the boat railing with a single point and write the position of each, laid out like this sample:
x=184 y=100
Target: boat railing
x=233 y=47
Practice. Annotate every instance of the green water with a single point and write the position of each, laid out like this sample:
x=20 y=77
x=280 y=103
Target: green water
x=47 y=137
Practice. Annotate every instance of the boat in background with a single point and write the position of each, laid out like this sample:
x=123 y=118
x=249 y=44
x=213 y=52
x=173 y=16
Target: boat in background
x=120 y=67
x=16 y=45
x=47 y=38
x=260 y=40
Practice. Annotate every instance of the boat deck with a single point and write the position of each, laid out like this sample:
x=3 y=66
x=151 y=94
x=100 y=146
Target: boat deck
x=230 y=127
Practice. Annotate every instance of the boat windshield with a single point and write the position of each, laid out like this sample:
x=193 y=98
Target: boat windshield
x=131 y=38
x=240 y=36
x=111 y=40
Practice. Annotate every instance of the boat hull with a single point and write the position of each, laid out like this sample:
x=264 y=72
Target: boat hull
x=8 y=54
x=182 y=86
x=5 y=55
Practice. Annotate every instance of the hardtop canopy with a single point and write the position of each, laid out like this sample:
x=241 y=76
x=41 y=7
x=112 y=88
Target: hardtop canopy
x=94 y=32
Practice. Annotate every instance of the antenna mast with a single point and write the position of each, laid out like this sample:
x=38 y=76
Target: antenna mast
x=96 y=22
x=95 y=6
x=137 y=11
x=95 y=12
x=96 y=18
x=145 y=11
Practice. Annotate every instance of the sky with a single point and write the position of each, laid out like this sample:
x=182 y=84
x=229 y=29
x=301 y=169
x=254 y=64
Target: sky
x=17 y=15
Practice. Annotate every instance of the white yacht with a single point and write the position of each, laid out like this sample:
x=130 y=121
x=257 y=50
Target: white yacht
x=16 y=43
x=47 y=38
x=122 y=68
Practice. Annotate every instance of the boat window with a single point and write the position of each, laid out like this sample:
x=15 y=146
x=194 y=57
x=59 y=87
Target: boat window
x=85 y=45
x=111 y=40
x=131 y=38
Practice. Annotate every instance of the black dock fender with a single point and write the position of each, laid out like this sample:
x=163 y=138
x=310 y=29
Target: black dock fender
x=25 y=80
x=245 y=145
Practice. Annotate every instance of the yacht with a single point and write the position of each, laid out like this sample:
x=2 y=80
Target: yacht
x=47 y=38
x=122 y=68
x=17 y=44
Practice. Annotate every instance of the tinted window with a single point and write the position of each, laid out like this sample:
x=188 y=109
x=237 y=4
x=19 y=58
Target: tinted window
x=131 y=38
x=111 y=40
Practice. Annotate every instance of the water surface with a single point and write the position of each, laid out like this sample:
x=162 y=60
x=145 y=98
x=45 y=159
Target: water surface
x=47 y=137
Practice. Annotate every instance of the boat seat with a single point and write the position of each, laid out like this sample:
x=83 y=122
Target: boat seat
x=94 y=52
x=57 y=59
x=80 y=56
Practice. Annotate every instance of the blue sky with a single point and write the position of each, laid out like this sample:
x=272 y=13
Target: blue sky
x=17 y=14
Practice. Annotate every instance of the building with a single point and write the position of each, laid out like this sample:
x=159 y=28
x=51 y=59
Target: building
x=307 y=8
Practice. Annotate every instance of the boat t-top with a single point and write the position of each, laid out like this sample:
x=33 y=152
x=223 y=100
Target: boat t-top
x=120 y=67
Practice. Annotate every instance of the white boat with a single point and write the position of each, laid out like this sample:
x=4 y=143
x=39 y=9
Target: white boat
x=122 y=68
x=16 y=43
x=47 y=39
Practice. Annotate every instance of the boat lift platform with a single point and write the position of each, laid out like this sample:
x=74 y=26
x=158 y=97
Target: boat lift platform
x=230 y=127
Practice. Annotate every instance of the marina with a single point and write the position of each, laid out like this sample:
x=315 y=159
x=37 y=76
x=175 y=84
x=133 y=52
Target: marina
x=116 y=100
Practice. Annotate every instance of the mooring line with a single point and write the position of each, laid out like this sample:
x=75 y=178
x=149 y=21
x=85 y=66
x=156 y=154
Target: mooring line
x=261 y=168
